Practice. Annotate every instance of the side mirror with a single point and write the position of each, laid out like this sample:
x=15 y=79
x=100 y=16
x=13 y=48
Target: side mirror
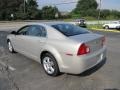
x=14 y=32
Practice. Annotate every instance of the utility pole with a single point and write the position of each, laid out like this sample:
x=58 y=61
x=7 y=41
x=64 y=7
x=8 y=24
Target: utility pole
x=25 y=1
x=99 y=11
x=24 y=6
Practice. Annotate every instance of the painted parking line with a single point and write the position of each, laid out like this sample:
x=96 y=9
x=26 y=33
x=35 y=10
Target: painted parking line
x=9 y=67
x=106 y=30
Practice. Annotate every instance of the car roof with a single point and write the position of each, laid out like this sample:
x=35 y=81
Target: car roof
x=55 y=23
x=48 y=23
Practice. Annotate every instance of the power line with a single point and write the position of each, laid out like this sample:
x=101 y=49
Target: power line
x=64 y=3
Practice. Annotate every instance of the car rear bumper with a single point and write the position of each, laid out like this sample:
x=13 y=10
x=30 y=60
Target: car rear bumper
x=83 y=25
x=85 y=62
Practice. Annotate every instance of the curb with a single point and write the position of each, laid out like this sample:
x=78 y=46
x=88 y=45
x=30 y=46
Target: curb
x=104 y=30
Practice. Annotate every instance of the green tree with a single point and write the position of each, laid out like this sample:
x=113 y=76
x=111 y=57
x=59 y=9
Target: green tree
x=31 y=10
x=115 y=14
x=49 y=12
x=16 y=7
x=8 y=7
x=86 y=7
x=105 y=13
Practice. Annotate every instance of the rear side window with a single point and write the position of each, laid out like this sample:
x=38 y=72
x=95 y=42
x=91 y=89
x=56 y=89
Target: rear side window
x=70 y=30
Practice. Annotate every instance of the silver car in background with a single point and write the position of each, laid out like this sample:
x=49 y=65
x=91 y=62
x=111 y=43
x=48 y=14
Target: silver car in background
x=59 y=47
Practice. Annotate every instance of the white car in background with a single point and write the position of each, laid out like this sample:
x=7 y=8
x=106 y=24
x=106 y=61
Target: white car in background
x=113 y=25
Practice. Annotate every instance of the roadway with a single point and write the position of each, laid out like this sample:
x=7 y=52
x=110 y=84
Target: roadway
x=27 y=74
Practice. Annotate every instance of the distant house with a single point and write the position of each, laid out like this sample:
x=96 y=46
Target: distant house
x=65 y=14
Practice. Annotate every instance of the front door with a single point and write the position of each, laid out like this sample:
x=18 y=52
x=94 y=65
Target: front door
x=30 y=40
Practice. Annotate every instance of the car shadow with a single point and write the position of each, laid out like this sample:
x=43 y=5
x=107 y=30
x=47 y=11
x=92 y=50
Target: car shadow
x=112 y=89
x=93 y=69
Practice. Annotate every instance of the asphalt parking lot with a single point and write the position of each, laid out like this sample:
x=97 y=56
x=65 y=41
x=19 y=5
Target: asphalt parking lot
x=26 y=74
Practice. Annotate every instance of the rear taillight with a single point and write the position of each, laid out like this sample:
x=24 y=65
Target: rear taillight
x=83 y=49
x=103 y=40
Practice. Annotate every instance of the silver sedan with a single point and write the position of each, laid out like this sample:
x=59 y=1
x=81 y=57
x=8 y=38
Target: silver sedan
x=59 y=47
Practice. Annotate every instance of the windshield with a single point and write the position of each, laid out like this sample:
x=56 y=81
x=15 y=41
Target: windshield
x=69 y=29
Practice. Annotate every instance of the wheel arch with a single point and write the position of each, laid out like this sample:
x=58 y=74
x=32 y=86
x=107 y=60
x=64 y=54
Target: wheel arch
x=8 y=40
x=42 y=54
x=107 y=26
x=55 y=54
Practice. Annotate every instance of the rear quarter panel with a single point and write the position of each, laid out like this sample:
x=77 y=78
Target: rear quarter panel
x=60 y=49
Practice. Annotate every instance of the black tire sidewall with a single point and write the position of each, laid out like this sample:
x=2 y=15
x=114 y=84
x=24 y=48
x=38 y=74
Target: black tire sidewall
x=11 y=45
x=106 y=27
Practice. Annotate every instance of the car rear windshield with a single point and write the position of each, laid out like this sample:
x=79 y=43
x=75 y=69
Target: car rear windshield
x=70 y=29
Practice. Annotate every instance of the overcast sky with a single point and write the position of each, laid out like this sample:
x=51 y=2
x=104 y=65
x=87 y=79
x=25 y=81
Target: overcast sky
x=106 y=4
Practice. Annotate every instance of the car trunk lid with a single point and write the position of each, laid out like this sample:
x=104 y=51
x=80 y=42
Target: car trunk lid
x=93 y=41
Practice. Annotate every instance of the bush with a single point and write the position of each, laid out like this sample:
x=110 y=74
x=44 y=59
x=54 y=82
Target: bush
x=97 y=26
x=89 y=18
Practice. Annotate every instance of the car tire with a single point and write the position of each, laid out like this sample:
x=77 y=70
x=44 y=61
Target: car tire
x=10 y=47
x=106 y=27
x=50 y=65
x=118 y=28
